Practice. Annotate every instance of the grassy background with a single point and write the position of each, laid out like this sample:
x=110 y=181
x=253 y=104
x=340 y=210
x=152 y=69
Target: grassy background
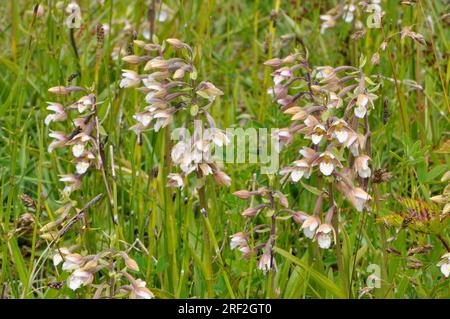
x=232 y=40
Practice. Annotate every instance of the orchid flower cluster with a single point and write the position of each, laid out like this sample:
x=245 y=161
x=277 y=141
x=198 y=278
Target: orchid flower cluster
x=171 y=90
x=315 y=98
x=273 y=204
x=350 y=12
x=113 y=283
x=80 y=139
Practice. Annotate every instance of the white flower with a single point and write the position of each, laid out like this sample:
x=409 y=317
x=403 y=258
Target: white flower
x=328 y=22
x=58 y=256
x=246 y=251
x=78 y=149
x=335 y=101
x=59 y=115
x=348 y=12
x=79 y=278
x=362 y=166
x=359 y=197
x=444 y=265
x=74 y=19
x=175 y=180
x=318 y=133
x=445 y=269
x=60 y=140
x=84 y=103
x=82 y=167
x=265 y=262
x=281 y=74
x=219 y=138
x=129 y=79
x=72 y=261
x=300 y=169
x=143 y=118
x=238 y=240
x=340 y=130
x=324 y=236
x=140 y=291
x=327 y=162
x=310 y=225
x=361 y=105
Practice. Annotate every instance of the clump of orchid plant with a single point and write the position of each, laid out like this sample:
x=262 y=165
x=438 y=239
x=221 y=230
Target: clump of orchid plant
x=172 y=90
x=273 y=204
x=329 y=107
x=112 y=268
x=82 y=136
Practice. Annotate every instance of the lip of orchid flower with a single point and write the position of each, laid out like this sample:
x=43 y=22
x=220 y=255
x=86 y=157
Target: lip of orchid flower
x=362 y=166
x=363 y=101
x=59 y=115
x=340 y=130
x=79 y=278
x=84 y=103
x=281 y=74
x=327 y=163
x=60 y=140
x=355 y=143
x=318 y=133
x=82 y=166
x=59 y=255
x=325 y=72
x=310 y=226
x=238 y=240
x=355 y=195
x=444 y=265
x=144 y=118
x=361 y=109
x=265 y=262
x=140 y=291
x=361 y=197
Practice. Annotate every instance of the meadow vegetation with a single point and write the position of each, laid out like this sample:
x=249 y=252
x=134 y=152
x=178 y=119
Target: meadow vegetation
x=98 y=200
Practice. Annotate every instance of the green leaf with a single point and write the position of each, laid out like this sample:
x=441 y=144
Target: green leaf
x=311 y=189
x=320 y=279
